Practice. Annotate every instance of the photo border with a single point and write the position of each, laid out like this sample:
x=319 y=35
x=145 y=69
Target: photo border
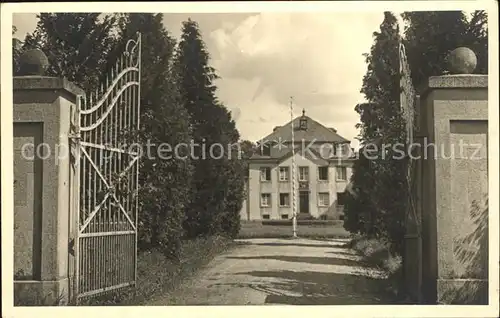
x=230 y=311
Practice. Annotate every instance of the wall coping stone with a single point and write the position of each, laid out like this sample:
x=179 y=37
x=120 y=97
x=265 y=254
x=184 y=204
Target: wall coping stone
x=455 y=81
x=37 y=82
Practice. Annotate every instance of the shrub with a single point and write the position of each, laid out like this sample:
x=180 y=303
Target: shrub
x=379 y=185
x=393 y=264
x=377 y=252
x=218 y=180
x=329 y=216
x=234 y=198
x=305 y=216
x=302 y=222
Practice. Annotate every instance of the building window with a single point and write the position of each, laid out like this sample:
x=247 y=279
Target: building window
x=284 y=199
x=341 y=173
x=265 y=200
x=303 y=173
x=284 y=216
x=266 y=150
x=339 y=149
x=323 y=173
x=284 y=173
x=324 y=199
x=326 y=151
x=265 y=216
x=341 y=196
x=303 y=120
x=265 y=174
x=303 y=124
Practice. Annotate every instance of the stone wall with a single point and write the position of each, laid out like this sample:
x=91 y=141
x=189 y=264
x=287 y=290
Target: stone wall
x=42 y=263
x=454 y=189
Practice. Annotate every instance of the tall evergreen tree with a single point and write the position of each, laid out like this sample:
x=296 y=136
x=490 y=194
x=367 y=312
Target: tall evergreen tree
x=379 y=206
x=164 y=181
x=212 y=125
x=77 y=45
x=431 y=35
x=360 y=203
x=83 y=48
x=477 y=39
x=234 y=173
x=17 y=49
x=247 y=150
x=381 y=125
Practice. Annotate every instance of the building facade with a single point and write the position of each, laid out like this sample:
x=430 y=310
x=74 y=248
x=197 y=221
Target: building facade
x=323 y=166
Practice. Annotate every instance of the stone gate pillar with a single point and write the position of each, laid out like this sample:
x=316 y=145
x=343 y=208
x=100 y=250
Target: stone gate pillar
x=42 y=170
x=454 y=114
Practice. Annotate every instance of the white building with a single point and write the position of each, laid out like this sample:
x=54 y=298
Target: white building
x=323 y=164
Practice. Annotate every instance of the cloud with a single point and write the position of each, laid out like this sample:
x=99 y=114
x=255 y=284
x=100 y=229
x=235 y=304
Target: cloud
x=264 y=58
x=208 y=22
x=25 y=23
x=314 y=57
x=235 y=113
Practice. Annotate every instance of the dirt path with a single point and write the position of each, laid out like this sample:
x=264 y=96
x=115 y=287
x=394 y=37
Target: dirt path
x=281 y=271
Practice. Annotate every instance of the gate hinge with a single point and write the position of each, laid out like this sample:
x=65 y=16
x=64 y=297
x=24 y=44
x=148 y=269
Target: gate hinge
x=75 y=136
x=419 y=136
x=71 y=247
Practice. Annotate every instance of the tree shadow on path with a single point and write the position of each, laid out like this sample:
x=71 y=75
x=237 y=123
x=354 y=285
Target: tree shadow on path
x=292 y=244
x=305 y=259
x=344 y=253
x=317 y=288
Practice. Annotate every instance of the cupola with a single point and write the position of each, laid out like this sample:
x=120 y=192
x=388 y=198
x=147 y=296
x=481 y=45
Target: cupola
x=303 y=121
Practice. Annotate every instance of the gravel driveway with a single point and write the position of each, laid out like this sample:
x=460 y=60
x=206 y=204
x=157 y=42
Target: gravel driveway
x=282 y=271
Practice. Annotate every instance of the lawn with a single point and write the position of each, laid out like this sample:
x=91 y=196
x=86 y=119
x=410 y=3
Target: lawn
x=255 y=229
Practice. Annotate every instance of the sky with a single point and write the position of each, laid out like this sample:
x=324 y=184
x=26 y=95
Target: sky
x=265 y=58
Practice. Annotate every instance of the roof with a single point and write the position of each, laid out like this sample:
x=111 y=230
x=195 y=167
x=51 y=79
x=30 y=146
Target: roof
x=315 y=131
x=281 y=155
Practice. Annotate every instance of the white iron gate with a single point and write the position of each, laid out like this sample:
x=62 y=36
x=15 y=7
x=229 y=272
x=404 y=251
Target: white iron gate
x=105 y=183
x=412 y=256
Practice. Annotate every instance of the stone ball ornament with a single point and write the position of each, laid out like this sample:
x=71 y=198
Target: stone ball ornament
x=33 y=62
x=462 y=60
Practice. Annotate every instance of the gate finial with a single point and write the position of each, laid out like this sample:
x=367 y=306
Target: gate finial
x=33 y=62
x=461 y=60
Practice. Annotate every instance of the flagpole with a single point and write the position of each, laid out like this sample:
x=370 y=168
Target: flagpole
x=294 y=204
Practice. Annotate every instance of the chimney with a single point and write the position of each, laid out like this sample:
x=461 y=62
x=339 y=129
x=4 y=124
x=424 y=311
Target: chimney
x=333 y=129
x=275 y=128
